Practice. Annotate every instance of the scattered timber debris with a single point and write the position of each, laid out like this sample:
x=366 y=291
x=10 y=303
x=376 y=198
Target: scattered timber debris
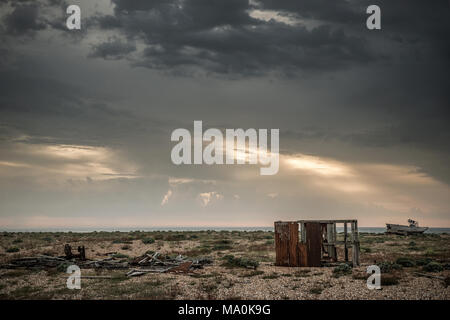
x=159 y=264
x=38 y=262
x=147 y=263
x=108 y=263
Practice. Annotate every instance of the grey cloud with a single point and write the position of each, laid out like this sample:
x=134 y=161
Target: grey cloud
x=356 y=96
x=342 y=11
x=114 y=48
x=45 y=108
x=24 y=19
x=221 y=37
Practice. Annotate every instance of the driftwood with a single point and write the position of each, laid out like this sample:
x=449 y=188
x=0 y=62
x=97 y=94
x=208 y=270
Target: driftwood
x=182 y=268
x=107 y=263
x=140 y=272
x=429 y=276
x=155 y=263
x=179 y=264
x=34 y=262
x=92 y=277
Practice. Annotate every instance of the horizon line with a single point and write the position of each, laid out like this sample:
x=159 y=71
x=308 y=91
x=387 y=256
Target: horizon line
x=155 y=228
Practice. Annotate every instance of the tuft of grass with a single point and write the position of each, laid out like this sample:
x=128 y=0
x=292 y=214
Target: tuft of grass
x=125 y=247
x=302 y=273
x=388 y=267
x=405 y=262
x=153 y=290
x=62 y=267
x=360 y=275
x=273 y=275
x=316 y=290
x=389 y=280
x=232 y=262
x=15 y=273
x=423 y=261
x=120 y=256
x=208 y=287
x=23 y=292
x=342 y=270
x=200 y=275
x=176 y=237
x=223 y=241
x=447 y=281
x=220 y=247
x=252 y=274
x=122 y=241
x=12 y=250
x=119 y=277
x=148 y=240
x=433 y=267
x=198 y=251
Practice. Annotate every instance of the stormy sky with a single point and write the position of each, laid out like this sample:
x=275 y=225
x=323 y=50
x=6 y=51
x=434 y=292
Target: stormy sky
x=86 y=115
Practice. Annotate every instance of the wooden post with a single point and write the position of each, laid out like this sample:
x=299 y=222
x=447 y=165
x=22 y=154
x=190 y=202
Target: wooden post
x=329 y=239
x=331 y=246
x=335 y=242
x=345 y=242
x=357 y=262
x=355 y=244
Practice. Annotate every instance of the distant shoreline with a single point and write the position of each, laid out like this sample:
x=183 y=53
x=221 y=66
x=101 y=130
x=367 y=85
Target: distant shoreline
x=192 y=229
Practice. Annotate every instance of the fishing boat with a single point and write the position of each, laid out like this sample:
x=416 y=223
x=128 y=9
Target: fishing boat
x=412 y=228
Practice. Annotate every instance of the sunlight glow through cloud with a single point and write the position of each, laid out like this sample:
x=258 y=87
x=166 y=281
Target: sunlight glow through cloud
x=317 y=165
x=68 y=162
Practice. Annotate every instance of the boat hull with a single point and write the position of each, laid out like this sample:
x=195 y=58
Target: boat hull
x=404 y=230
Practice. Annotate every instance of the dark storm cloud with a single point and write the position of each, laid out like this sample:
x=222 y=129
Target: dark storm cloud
x=356 y=98
x=28 y=17
x=53 y=111
x=342 y=11
x=114 y=48
x=249 y=51
x=24 y=19
x=412 y=20
x=191 y=14
x=222 y=37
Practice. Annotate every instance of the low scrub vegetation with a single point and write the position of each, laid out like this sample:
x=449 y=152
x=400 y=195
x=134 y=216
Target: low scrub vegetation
x=232 y=261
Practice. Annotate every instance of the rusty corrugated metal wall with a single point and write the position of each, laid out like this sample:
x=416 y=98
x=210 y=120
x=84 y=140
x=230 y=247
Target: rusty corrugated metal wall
x=286 y=244
x=313 y=244
x=290 y=252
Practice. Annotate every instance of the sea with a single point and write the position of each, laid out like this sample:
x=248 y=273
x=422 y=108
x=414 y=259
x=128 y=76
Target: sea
x=248 y=229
